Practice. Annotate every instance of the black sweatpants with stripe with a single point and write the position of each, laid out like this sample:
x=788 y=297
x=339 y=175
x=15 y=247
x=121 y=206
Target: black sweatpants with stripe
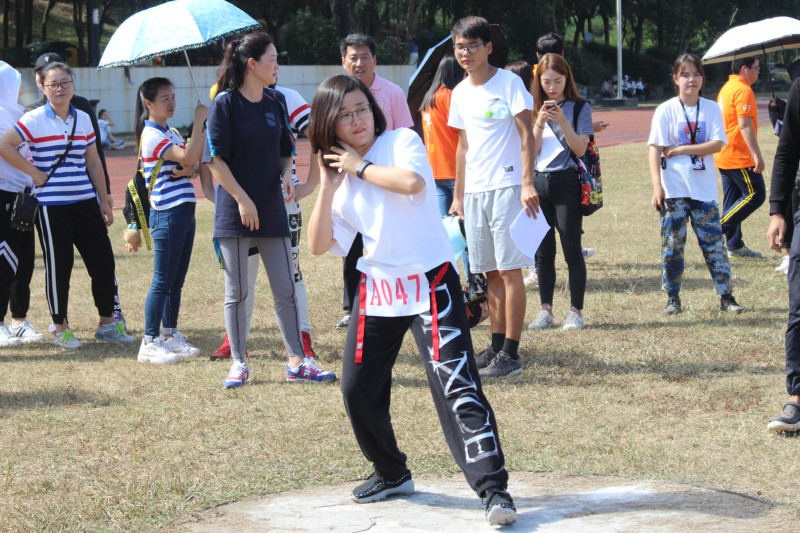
x=465 y=415
x=60 y=227
x=18 y=256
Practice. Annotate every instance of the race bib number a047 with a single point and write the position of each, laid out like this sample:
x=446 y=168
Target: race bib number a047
x=396 y=295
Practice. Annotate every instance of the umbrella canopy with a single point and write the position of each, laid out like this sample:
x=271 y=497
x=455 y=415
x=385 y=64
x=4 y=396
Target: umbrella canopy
x=420 y=81
x=174 y=26
x=768 y=35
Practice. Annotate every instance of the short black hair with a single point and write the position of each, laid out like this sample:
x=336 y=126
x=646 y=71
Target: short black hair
x=472 y=28
x=357 y=39
x=550 y=43
x=737 y=64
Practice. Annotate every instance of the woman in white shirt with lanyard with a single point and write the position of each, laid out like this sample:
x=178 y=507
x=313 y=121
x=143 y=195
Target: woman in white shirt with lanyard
x=74 y=207
x=379 y=183
x=686 y=130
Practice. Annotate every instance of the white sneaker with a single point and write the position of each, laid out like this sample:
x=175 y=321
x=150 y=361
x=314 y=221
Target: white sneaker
x=65 y=339
x=543 y=320
x=532 y=278
x=178 y=345
x=7 y=337
x=26 y=333
x=784 y=266
x=573 y=321
x=155 y=352
x=588 y=252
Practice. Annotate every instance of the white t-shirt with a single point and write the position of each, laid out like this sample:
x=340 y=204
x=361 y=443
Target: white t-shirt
x=486 y=112
x=403 y=234
x=670 y=128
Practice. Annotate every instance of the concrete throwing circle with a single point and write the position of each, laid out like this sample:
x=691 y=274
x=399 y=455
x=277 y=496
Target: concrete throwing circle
x=545 y=502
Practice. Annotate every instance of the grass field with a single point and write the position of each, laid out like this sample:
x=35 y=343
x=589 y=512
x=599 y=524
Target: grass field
x=91 y=440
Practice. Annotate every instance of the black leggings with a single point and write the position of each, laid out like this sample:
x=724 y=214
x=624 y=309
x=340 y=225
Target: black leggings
x=81 y=225
x=559 y=197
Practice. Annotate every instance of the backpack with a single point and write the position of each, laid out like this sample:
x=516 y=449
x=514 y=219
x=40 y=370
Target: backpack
x=588 y=169
x=137 y=197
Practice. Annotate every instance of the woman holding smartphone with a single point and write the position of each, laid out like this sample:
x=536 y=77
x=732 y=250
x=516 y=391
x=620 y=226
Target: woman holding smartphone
x=557 y=145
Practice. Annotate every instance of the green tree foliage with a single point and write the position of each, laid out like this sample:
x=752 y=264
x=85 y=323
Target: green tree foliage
x=309 y=39
x=670 y=26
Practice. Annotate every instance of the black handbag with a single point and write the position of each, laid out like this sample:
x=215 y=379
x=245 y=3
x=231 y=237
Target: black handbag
x=23 y=213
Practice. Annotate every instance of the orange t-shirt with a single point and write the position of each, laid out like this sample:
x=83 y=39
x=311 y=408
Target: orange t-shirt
x=441 y=140
x=736 y=99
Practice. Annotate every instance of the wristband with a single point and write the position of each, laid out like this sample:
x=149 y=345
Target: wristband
x=361 y=168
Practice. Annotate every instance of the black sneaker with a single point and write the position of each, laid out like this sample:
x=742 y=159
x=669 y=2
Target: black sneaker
x=500 y=510
x=501 y=366
x=376 y=488
x=485 y=357
x=788 y=420
x=673 y=306
x=728 y=303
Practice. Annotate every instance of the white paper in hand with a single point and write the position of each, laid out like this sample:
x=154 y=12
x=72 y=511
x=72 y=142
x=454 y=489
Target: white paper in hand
x=528 y=232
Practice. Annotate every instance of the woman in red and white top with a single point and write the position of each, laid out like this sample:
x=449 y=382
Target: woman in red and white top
x=74 y=207
x=378 y=183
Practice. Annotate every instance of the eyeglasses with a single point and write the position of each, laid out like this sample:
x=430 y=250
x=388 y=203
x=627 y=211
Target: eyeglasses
x=467 y=48
x=60 y=85
x=348 y=117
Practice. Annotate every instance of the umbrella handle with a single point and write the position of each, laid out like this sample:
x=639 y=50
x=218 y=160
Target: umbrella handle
x=191 y=75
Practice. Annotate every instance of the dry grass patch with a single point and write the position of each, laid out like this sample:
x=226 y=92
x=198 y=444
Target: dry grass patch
x=93 y=440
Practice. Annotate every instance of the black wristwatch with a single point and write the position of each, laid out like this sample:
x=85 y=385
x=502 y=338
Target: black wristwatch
x=361 y=168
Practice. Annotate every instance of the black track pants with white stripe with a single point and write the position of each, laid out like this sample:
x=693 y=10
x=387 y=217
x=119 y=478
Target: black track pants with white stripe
x=60 y=227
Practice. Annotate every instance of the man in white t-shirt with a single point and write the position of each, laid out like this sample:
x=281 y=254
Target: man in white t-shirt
x=491 y=109
x=359 y=60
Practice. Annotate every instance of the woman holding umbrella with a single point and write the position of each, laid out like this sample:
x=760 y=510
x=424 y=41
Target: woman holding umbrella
x=251 y=149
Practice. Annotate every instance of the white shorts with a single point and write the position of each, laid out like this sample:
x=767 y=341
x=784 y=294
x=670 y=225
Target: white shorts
x=487 y=221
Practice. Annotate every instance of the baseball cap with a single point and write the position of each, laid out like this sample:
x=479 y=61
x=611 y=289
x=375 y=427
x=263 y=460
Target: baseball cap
x=47 y=58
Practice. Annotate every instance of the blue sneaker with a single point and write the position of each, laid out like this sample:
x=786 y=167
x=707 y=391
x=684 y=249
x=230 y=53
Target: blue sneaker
x=310 y=372
x=237 y=376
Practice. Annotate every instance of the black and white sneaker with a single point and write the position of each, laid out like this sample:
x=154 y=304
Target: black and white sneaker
x=788 y=420
x=728 y=304
x=500 y=510
x=485 y=357
x=377 y=488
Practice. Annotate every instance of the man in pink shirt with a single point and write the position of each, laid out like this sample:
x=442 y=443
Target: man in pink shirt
x=359 y=60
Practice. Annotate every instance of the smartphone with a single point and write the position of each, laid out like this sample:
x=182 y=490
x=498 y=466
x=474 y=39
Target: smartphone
x=328 y=163
x=550 y=104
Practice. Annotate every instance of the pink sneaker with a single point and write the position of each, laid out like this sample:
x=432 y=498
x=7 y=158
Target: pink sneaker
x=308 y=371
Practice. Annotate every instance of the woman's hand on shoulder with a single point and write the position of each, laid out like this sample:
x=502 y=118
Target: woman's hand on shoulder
x=331 y=178
x=344 y=158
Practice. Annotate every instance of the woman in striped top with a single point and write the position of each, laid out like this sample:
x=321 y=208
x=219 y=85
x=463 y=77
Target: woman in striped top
x=172 y=222
x=74 y=207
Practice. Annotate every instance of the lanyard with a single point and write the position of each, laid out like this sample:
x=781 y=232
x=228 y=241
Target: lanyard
x=692 y=131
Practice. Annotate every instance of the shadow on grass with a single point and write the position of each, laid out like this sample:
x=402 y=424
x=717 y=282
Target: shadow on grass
x=59 y=397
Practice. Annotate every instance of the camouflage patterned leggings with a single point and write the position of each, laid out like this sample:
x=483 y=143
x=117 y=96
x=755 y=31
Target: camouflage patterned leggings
x=705 y=221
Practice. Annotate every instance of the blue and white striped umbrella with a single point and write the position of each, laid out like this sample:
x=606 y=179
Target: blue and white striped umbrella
x=174 y=26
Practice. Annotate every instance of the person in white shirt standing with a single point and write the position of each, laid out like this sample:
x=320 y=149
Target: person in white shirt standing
x=494 y=175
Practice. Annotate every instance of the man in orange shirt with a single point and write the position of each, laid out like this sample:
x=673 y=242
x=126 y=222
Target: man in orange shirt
x=740 y=162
